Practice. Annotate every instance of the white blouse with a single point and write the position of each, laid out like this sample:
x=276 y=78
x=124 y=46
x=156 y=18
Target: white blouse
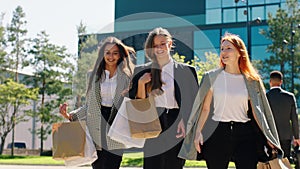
x=108 y=89
x=167 y=99
x=230 y=96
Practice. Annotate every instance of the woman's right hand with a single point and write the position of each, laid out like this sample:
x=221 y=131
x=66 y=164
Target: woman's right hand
x=63 y=110
x=198 y=140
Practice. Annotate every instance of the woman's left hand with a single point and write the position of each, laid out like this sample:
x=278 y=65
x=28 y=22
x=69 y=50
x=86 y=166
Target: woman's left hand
x=180 y=129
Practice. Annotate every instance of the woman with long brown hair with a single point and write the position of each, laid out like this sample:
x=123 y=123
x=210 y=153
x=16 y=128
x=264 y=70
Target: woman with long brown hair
x=107 y=83
x=174 y=86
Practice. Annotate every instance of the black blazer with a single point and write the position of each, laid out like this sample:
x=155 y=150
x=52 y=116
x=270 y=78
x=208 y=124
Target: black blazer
x=185 y=83
x=284 y=108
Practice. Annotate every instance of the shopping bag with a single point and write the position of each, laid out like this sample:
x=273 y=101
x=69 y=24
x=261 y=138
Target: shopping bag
x=275 y=163
x=143 y=118
x=119 y=130
x=73 y=143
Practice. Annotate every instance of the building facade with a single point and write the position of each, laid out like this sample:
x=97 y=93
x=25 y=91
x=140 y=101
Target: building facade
x=196 y=25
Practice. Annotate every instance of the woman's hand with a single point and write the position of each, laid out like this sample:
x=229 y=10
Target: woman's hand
x=63 y=111
x=296 y=142
x=146 y=78
x=198 y=140
x=180 y=129
x=141 y=91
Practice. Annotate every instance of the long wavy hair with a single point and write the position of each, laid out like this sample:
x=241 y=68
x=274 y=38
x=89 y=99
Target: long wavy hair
x=125 y=60
x=156 y=81
x=245 y=65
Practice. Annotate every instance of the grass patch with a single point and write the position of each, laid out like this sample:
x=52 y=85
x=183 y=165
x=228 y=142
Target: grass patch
x=134 y=159
x=27 y=160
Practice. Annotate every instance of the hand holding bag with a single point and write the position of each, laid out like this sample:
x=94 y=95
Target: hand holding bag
x=143 y=118
x=275 y=163
x=119 y=130
x=73 y=143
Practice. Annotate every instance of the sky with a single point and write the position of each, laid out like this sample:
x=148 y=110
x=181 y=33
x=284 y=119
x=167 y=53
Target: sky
x=59 y=18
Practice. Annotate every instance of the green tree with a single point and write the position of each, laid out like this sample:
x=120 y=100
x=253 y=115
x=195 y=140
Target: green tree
x=210 y=62
x=279 y=32
x=13 y=96
x=86 y=60
x=53 y=76
x=2 y=49
x=16 y=39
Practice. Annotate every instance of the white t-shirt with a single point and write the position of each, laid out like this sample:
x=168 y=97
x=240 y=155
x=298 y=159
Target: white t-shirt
x=230 y=98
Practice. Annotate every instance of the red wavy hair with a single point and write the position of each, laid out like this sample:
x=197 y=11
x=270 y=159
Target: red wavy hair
x=245 y=64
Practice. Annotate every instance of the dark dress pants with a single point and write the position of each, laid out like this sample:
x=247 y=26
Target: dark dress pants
x=162 y=152
x=286 y=147
x=107 y=159
x=231 y=141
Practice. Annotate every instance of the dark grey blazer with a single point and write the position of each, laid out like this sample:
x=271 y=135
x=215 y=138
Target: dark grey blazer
x=284 y=108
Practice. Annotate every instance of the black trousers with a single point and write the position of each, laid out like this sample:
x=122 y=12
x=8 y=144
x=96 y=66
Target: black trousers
x=107 y=159
x=162 y=152
x=231 y=141
x=286 y=147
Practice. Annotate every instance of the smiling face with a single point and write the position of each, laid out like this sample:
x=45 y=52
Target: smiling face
x=111 y=54
x=161 y=46
x=229 y=54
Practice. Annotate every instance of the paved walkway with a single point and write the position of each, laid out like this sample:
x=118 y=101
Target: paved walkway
x=58 y=167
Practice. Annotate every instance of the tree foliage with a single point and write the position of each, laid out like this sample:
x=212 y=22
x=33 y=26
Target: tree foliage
x=210 y=62
x=53 y=76
x=279 y=33
x=16 y=41
x=86 y=60
x=2 y=49
x=14 y=96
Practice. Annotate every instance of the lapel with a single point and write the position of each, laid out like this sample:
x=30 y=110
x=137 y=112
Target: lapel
x=120 y=87
x=97 y=90
x=176 y=85
x=121 y=81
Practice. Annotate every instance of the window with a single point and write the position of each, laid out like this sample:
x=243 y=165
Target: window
x=259 y=53
x=229 y=15
x=257 y=12
x=272 y=1
x=241 y=16
x=213 y=4
x=271 y=9
x=213 y=16
x=206 y=39
x=228 y=3
x=242 y=32
x=255 y=2
x=257 y=38
x=140 y=57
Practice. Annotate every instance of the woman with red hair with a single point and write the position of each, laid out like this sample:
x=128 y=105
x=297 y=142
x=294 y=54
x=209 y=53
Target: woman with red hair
x=231 y=119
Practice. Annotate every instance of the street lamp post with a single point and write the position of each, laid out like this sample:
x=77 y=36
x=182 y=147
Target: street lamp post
x=246 y=12
x=248 y=25
x=293 y=32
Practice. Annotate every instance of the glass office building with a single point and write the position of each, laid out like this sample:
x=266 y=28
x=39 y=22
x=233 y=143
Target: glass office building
x=199 y=20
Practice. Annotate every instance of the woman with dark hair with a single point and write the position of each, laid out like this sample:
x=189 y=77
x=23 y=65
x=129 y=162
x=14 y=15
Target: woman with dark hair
x=174 y=87
x=108 y=82
x=231 y=118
